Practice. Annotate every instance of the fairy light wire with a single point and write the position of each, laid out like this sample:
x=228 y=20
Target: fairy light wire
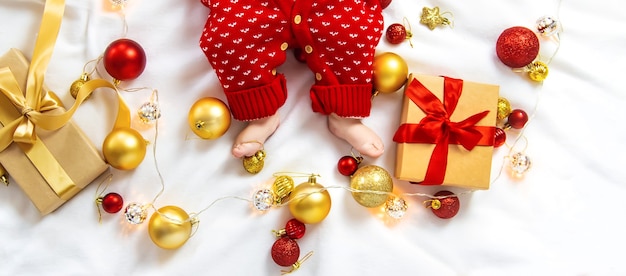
x=531 y=117
x=154 y=155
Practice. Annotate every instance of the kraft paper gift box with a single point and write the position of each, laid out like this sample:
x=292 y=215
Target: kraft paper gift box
x=449 y=141
x=67 y=157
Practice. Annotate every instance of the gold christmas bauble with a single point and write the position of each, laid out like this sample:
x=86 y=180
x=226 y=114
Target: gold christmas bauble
x=390 y=72
x=124 y=148
x=371 y=178
x=309 y=204
x=504 y=108
x=209 y=118
x=170 y=227
x=254 y=164
x=77 y=84
x=282 y=188
x=537 y=71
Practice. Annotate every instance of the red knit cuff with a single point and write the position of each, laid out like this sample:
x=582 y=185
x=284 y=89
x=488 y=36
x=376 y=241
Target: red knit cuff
x=259 y=102
x=353 y=100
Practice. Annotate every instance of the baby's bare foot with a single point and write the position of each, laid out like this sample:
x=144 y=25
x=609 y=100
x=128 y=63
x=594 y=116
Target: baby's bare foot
x=252 y=137
x=359 y=136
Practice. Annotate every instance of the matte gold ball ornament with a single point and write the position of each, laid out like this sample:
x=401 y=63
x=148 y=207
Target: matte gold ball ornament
x=390 y=72
x=209 y=118
x=170 y=227
x=310 y=202
x=124 y=148
x=371 y=178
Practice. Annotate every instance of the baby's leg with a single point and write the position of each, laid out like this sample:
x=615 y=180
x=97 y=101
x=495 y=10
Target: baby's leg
x=358 y=135
x=252 y=137
x=340 y=52
x=245 y=41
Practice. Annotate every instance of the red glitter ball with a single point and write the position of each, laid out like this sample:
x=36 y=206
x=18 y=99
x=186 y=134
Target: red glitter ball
x=449 y=205
x=384 y=3
x=285 y=251
x=517 y=47
x=295 y=229
x=347 y=165
x=499 y=138
x=396 y=33
x=518 y=118
x=112 y=203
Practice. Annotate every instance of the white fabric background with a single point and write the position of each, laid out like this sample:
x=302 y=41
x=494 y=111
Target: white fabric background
x=566 y=217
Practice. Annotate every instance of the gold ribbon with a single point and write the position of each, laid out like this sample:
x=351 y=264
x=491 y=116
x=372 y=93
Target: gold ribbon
x=23 y=111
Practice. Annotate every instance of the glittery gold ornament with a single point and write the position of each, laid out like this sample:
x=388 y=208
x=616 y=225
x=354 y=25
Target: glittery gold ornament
x=390 y=72
x=282 y=188
x=371 y=178
x=77 y=84
x=432 y=18
x=537 y=71
x=209 y=118
x=309 y=203
x=254 y=164
x=504 y=108
x=170 y=227
x=124 y=148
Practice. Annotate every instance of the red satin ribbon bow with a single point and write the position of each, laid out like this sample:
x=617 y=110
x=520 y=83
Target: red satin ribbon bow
x=436 y=128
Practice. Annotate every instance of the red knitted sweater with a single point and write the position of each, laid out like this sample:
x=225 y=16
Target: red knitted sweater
x=246 y=40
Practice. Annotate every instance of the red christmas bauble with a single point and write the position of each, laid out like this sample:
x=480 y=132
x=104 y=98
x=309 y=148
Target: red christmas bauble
x=124 y=59
x=384 y=3
x=285 y=251
x=499 y=138
x=396 y=33
x=295 y=229
x=112 y=203
x=518 y=118
x=517 y=47
x=449 y=206
x=347 y=165
x=299 y=55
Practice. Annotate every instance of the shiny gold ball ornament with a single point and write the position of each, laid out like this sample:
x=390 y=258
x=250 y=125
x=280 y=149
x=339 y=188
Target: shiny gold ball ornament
x=124 y=148
x=310 y=202
x=390 y=72
x=504 y=108
x=170 y=227
x=282 y=188
x=209 y=118
x=254 y=164
x=371 y=178
x=537 y=71
x=77 y=84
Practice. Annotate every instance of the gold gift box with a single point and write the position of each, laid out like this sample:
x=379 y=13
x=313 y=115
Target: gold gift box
x=73 y=151
x=469 y=169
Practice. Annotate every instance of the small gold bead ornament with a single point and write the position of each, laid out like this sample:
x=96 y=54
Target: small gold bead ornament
x=254 y=164
x=537 y=71
x=282 y=188
x=77 y=84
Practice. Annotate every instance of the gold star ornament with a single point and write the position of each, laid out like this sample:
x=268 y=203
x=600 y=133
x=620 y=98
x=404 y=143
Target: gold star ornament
x=432 y=18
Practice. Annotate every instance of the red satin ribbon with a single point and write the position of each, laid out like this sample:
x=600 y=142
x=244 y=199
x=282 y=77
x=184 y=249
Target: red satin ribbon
x=436 y=128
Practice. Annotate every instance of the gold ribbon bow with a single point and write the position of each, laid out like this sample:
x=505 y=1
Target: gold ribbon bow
x=23 y=110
